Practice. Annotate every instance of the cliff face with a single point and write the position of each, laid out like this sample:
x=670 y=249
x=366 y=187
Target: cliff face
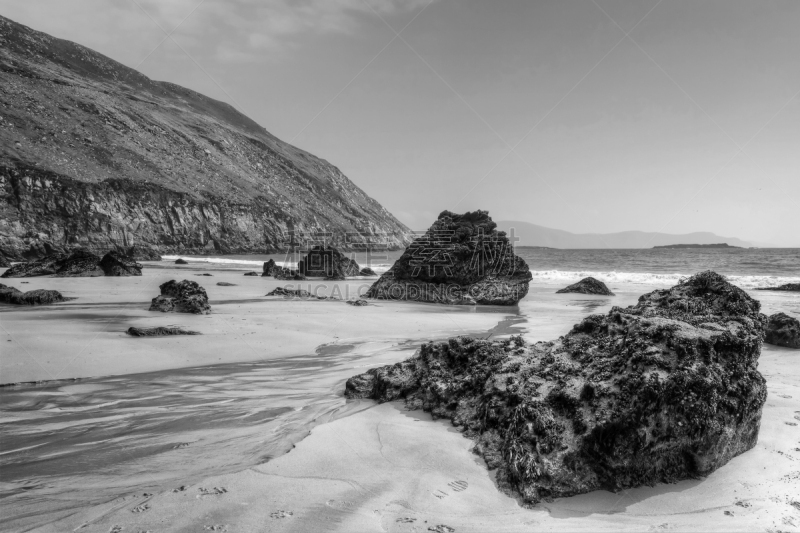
x=98 y=156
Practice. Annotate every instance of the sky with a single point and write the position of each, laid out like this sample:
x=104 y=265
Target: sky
x=583 y=115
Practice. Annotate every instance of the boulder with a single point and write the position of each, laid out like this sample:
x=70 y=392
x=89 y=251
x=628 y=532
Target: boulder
x=46 y=266
x=367 y=271
x=183 y=297
x=328 y=263
x=290 y=293
x=159 y=331
x=658 y=392
x=358 y=303
x=251 y=273
x=225 y=284
x=783 y=330
x=588 y=286
x=461 y=259
x=180 y=261
x=794 y=287
x=268 y=269
x=115 y=263
x=78 y=263
x=204 y=274
x=12 y=295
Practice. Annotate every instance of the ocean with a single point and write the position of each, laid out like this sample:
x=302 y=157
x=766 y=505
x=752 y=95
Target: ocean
x=748 y=268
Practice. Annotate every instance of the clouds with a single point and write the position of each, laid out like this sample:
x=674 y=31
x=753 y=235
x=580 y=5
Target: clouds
x=224 y=30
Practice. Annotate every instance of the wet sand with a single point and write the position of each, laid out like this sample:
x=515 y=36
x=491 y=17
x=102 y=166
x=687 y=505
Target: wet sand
x=367 y=467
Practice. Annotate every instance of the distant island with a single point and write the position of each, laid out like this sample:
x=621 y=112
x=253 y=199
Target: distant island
x=719 y=245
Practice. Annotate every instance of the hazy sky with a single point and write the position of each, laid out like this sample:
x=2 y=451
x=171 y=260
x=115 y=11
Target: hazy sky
x=542 y=111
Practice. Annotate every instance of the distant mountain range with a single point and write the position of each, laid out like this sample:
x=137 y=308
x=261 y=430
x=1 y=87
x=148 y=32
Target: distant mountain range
x=534 y=235
x=96 y=155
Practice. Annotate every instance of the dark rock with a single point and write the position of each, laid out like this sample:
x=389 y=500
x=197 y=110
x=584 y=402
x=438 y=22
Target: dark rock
x=588 y=286
x=204 y=274
x=284 y=273
x=159 y=331
x=659 y=392
x=138 y=253
x=180 y=261
x=461 y=259
x=328 y=263
x=4 y=263
x=117 y=264
x=47 y=266
x=358 y=303
x=183 y=297
x=367 y=271
x=794 y=287
x=269 y=268
x=783 y=330
x=290 y=293
x=12 y=295
x=225 y=284
x=251 y=273
x=79 y=264
x=299 y=277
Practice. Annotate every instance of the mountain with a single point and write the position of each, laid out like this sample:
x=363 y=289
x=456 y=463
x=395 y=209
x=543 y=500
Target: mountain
x=533 y=235
x=96 y=155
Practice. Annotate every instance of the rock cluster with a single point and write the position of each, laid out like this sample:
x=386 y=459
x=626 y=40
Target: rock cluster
x=587 y=286
x=328 y=263
x=79 y=263
x=182 y=297
x=461 y=259
x=783 y=330
x=665 y=390
x=12 y=295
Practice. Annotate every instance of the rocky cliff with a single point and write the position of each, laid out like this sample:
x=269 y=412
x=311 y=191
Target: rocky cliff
x=98 y=156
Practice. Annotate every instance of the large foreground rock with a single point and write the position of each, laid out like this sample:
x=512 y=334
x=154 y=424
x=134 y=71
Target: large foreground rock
x=658 y=392
x=79 y=263
x=328 y=263
x=783 y=330
x=12 y=295
x=587 y=286
x=182 y=297
x=461 y=259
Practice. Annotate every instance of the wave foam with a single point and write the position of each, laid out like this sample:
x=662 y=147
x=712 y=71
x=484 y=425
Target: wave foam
x=669 y=279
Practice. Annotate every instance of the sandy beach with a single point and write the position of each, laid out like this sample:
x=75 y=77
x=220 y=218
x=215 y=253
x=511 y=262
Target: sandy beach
x=351 y=465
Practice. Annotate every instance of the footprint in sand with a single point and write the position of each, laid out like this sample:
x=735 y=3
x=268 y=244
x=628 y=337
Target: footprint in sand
x=458 y=486
x=281 y=514
x=115 y=529
x=213 y=491
x=441 y=528
x=790 y=423
x=785 y=396
x=182 y=488
x=141 y=508
x=740 y=503
x=181 y=445
x=660 y=527
x=439 y=494
x=216 y=527
x=405 y=520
